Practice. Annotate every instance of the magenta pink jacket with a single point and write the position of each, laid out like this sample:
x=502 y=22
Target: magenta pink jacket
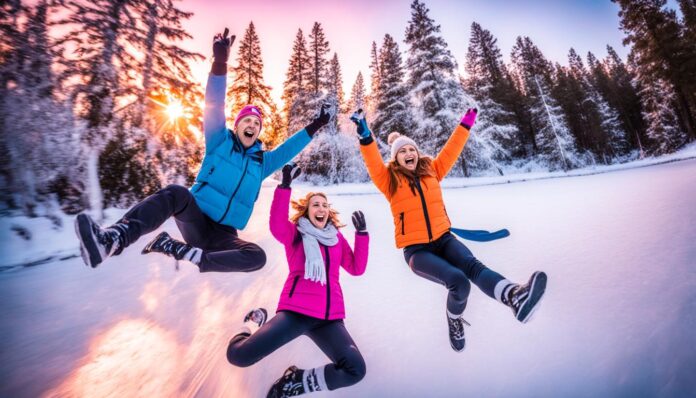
x=302 y=295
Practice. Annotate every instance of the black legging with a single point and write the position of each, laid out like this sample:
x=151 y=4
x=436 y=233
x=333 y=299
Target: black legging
x=223 y=251
x=331 y=337
x=448 y=262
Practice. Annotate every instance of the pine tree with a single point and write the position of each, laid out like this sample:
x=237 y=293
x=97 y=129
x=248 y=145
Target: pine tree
x=249 y=87
x=37 y=126
x=554 y=142
x=165 y=67
x=335 y=83
x=432 y=81
x=661 y=56
x=166 y=80
x=334 y=94
x=124 y=172
x=657 y=97
x=375 y=78
x=9 y=43
x=318 y=64
x=318 y=84
x=626 y=104
x=622 y=94
x=358 y=96
x=600 y=123
x=100 y=31
x=393 y=110
x=296 y=85
x=489 y=83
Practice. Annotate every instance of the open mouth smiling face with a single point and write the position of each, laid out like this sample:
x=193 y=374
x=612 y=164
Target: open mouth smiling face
x=248 y=130
x=407 y=157
x=318 y=211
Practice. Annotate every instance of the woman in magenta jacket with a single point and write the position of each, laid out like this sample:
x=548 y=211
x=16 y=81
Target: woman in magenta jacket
x=311 y=302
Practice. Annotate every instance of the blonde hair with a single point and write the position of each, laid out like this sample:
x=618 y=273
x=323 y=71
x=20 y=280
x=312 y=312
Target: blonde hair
x=301 y=206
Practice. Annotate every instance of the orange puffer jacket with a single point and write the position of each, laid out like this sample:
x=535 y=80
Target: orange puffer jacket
x=419 y=217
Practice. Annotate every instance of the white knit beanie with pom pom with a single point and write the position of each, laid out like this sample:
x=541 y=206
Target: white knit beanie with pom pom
x=397 y=141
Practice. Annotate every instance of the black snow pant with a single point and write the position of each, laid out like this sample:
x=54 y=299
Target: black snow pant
x=331 y=337
x=448 y=262
x=223 y=251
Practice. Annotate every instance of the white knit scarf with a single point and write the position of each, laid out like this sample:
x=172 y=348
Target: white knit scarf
x=311 y=237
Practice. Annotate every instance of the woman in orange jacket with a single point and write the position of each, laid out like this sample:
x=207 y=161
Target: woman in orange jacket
x=411 y=184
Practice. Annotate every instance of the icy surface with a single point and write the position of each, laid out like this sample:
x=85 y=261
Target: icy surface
x=618 y=318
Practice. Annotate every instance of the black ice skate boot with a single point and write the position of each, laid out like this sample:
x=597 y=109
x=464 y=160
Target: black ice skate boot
x=456 y=331
x=525 y=299
x=97 y=243
x=163 y=243
x=289 y=385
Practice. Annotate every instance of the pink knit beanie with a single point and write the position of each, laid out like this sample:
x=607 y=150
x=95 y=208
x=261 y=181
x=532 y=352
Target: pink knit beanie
x=249 y=110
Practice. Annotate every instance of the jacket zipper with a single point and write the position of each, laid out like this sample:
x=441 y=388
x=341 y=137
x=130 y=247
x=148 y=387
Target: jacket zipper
x=229 y=202
x=294 y=284
x=425 y=209
x=402 y=222
x=328 y=282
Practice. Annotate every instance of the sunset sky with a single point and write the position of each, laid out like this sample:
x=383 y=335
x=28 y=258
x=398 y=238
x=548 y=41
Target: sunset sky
x=351 y=26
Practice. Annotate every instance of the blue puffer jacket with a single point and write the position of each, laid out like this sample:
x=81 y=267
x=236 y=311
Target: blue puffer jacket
x=230 y=178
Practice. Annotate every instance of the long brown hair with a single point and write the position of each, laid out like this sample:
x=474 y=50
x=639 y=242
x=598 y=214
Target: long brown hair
x=301 y=207
x=423 y=168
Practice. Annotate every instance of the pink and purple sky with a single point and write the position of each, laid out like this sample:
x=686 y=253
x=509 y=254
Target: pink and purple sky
x=351 y=26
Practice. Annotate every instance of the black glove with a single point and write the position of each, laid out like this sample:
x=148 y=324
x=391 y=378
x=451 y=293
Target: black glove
x=290 y=172
x=221 y=52
x=321 y=120
x=359 y=221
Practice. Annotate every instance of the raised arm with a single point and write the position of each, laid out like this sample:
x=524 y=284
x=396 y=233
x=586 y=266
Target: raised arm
x=355 y=262
x=214 y=112
x=368 y=149
x=214 y=126
x=444 y=161
x=275 y=159
x=281 y=228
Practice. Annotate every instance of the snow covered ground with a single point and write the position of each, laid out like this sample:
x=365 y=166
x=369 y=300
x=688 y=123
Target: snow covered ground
x=618 y=319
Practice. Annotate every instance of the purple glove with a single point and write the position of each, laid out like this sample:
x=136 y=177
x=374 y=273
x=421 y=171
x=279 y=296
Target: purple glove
x=469 y=118
x=221 y=52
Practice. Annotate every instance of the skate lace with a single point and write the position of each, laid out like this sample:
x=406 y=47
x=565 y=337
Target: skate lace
x=292 y=385
x=518 y=296
x=106 y=238
x=456 y=327
x=174 y=247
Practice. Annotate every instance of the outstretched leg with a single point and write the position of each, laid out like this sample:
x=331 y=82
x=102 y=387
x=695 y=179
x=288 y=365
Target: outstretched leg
x=232 y=254
x=153 y=211
x=489 y=281
x=99 y=243
x=522 y=299
x=348 y=365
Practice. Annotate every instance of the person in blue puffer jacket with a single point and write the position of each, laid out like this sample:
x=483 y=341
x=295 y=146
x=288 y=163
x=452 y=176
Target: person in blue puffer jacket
x=222 y=198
